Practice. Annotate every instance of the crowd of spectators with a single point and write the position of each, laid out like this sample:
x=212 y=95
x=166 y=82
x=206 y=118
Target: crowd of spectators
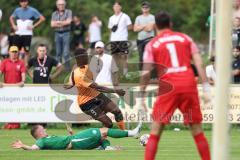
x=236 y=42
x=211 y=69
x=70 y=31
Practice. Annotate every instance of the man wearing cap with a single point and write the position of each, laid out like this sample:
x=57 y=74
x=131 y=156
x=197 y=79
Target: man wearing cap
x=144 y=25
x=14 y=71
x=103 y=67
x=61 y=23
x=24 y=26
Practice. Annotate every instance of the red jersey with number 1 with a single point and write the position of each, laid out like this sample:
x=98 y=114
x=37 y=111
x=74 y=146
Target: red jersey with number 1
x=173 y=50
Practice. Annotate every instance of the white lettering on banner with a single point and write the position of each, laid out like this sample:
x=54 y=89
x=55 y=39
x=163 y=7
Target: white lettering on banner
x=37 y=104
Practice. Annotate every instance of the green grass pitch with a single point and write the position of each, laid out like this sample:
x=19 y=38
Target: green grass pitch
x=173 y=145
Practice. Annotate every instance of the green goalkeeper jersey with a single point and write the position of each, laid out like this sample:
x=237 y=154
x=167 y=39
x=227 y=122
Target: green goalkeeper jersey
x=87 y=139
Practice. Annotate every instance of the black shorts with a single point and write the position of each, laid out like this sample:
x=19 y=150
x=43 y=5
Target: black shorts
x=94 y=107
x=22 y=42
x=76 y=40
x=92 y=45
x=120 y=47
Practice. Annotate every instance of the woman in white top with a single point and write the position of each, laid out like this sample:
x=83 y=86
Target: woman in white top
x=0 y=14
x=94 y=33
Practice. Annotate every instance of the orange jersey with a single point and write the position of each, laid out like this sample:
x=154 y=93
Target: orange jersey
x=83 y=78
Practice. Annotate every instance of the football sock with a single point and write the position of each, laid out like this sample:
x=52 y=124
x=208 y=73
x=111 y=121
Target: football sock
x=121 y=125
x=152 y=146
x=117 y=133
x=105 y=143
x=202 y=146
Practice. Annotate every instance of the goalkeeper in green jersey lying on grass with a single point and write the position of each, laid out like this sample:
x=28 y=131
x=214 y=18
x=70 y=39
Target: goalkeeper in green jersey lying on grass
x=85 y=140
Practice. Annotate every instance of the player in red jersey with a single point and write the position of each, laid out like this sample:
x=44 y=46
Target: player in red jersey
x=174 y=51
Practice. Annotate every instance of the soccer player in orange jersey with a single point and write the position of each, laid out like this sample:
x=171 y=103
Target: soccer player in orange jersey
x=91 y=99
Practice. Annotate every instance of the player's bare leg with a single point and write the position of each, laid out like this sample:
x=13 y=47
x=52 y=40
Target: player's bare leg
x=106 y=121
x=200 y=141
x=111 y=107
x=152 y=144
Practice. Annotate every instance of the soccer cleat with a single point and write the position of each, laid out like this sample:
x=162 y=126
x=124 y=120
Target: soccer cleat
x=99 y=148
x=139 y=130
x=135 y=132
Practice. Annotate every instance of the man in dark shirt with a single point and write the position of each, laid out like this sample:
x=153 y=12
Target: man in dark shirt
x=78 y=28
x=42 y=66
x=236 y=65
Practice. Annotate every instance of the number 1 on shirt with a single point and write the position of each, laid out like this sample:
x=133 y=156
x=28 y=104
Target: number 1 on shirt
x=173 y=54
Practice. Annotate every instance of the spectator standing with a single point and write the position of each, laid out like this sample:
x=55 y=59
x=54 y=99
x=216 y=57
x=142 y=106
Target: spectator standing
x=236 y=32
x=42 y=66
x=14 y=71
x=1 y=14
x=94 y=33
x=61 y=22
x=78 y=30
x=4 y=45
x=144 y=25
x=236 y=65
x=103 y=67
x=119 y=24
x=236 y=8
x=211 y=71
x=24 y=26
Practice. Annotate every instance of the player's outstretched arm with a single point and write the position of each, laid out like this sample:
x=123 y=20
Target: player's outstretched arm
x=103 y=89
x=70 y=83
x=19 y=145
x=200 y=68
x=201 y=71
x=144 y=81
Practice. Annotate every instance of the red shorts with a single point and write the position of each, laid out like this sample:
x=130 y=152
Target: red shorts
x=187 y=103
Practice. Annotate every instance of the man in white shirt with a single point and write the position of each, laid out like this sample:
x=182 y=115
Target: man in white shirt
x=210 y=71
x=24 y=20
x=119 y=24
x=103 y=67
